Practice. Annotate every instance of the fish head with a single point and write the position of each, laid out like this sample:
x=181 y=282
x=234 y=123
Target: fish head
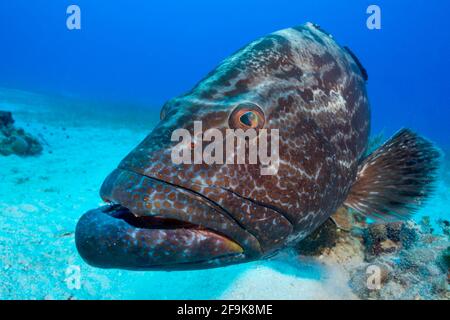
x=212 y=210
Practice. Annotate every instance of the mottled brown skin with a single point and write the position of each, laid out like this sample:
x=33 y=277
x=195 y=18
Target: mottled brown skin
x=309 y=88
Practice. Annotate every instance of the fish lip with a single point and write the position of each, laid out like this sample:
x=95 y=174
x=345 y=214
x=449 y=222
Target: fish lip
x=100 y=234
x=243 y=237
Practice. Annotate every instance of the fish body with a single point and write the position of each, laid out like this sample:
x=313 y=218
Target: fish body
x=298 y=81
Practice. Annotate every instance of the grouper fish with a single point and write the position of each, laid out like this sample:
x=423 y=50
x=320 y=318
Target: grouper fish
x=166 y=216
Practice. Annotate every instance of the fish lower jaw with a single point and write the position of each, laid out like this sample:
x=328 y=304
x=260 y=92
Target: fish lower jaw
x=114 y=237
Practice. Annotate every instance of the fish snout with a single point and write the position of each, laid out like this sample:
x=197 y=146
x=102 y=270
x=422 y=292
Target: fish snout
x=152 y=224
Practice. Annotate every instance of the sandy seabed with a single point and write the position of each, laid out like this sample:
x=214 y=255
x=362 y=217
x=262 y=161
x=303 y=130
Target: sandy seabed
x=41 y=199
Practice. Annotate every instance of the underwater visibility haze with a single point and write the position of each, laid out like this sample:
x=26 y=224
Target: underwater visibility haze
x=352 y=97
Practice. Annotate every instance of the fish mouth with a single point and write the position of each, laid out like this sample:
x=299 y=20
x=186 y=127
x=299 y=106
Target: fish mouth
x=128 y=235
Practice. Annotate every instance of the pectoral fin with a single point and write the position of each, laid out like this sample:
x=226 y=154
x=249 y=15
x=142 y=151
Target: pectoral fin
x=396 y=178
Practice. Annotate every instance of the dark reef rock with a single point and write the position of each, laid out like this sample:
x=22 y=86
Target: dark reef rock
x=342 y=225
x=15 y=140
x=337 y=241
x=6 y=119
x=324 y=237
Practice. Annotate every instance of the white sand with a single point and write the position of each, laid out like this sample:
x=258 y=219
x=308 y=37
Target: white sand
x=41 y=199
x=287 y=277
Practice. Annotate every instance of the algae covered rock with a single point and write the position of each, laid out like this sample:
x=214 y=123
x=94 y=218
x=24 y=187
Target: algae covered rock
x=444 y=260
x=445 y=226
x=15 y=140
x=412 y=274
x=387 y=260
x=411 y=263
x=387 y=238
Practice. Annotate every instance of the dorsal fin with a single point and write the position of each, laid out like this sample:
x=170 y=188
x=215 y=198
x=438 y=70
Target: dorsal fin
x=358 y=63
x=318 y=27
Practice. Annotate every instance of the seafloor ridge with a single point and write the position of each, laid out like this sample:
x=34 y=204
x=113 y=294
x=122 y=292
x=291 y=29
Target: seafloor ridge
x=53 y=159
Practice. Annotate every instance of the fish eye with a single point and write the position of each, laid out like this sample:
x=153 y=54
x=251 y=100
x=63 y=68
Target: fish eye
x=247 y=116
x=249 y=119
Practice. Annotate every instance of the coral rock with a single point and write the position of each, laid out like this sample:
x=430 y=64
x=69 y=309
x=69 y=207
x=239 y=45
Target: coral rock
x=16 y=140
x=389 y=238
x=6 y=119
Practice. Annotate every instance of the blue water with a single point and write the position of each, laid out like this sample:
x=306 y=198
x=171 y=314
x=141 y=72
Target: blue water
x=146 y=52
x=141 y=53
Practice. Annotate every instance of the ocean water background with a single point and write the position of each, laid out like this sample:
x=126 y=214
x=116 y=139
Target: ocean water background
x=145 y=52
x=130 y=57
